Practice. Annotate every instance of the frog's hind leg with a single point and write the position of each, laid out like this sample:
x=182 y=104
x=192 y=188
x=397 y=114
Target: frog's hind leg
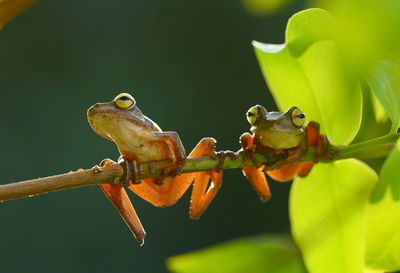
x=117 y=195
x=285 y=173
x=255 y=174
x=172 y=189
x=202 y=194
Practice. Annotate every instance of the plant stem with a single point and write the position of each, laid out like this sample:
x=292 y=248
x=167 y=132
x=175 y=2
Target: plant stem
x=112 y=174
x=377 y=147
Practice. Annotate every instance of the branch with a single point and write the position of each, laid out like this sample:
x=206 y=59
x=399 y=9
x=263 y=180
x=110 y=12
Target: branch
x=112 y=174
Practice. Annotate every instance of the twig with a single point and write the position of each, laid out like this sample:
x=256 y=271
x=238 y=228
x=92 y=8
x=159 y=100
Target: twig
x=111 y=174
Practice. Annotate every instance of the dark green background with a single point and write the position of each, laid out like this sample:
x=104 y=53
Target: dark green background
x=191 y=68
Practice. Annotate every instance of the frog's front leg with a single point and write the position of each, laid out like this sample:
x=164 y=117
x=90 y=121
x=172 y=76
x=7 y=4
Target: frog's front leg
x=118 y=196
x=131 y=171
x=288 y=172
x=255 y=174
x=179 y=156
x=172 y=189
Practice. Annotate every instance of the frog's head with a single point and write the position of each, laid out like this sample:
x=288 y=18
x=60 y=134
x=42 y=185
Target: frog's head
x=114 y=119
x=259 y=117
x=276 y=129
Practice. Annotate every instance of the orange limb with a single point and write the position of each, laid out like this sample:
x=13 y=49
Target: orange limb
x=305 y=168
x=201 y=196
x=285 y=173
x=288 y=172
x=314 y=139
x=117 y=195
x=172 y=189
x=255 y=175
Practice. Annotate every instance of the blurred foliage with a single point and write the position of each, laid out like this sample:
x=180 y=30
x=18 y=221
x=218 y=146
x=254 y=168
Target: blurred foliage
x=62 y=57
x=190 y=67
x=383 y=241
x=307 y=71
x=328 y=212
x=342 y=214
x=264 y=7
x=385 y=82
x=264 y=253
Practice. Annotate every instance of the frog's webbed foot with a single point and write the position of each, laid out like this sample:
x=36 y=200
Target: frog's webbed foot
x=220 y=156
x=246 y=141
x=255 y=174
x=175 y=169
x=132 y=171
x=170 y=171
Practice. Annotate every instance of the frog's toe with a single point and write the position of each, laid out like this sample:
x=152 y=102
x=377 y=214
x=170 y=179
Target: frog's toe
x=175 y=170
x=131 y=171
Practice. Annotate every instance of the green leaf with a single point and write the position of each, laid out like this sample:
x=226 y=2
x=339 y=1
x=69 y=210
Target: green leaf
x=379 y=111
x=266 y=253
x=385 y=82
x=328 y=215
x=308 y=72
x=308 y=27
x=383 y=237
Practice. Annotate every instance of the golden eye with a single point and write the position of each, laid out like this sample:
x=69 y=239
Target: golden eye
x=124 y=100
x=252 y=114
x=297 y=117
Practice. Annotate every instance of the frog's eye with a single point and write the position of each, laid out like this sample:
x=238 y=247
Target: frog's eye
x=124 y=100
x=252 y=114
x=298 y=117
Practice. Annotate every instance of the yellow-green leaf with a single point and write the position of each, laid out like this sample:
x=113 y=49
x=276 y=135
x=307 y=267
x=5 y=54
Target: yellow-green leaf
x=308 y=72
x=261 y=254
x=383 y=240
x=328 y=213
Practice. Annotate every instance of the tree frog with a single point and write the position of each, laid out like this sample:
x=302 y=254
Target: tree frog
x=277 y=130
x=140 y=139
x=277 y=133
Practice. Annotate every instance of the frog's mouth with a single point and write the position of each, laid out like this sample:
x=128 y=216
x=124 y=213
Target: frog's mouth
x=97 y=120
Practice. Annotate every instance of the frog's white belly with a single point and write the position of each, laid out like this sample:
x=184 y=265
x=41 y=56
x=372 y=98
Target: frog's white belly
x=281 y=140
x=140 y=143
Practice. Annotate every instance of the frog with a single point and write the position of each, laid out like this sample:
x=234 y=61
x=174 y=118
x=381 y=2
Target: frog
x=139 y=139
x=278 y=135
x=277 y=130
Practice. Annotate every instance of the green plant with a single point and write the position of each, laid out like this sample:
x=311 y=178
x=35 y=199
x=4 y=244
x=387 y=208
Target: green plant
x=344 y=215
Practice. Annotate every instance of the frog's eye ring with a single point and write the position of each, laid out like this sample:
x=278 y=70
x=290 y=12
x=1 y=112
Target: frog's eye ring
x=252 y=114
x=297 y=117
x=124 y=101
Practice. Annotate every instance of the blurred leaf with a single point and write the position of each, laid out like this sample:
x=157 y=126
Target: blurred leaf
x=307 y=27
x=10 y=8
x=372 y=110
x=385 y=82
x=264 y=7
x=369 y=28
x=266 y=253
x=383 y=237
x=308 y=72
x=328 y=215
x=379 y=111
